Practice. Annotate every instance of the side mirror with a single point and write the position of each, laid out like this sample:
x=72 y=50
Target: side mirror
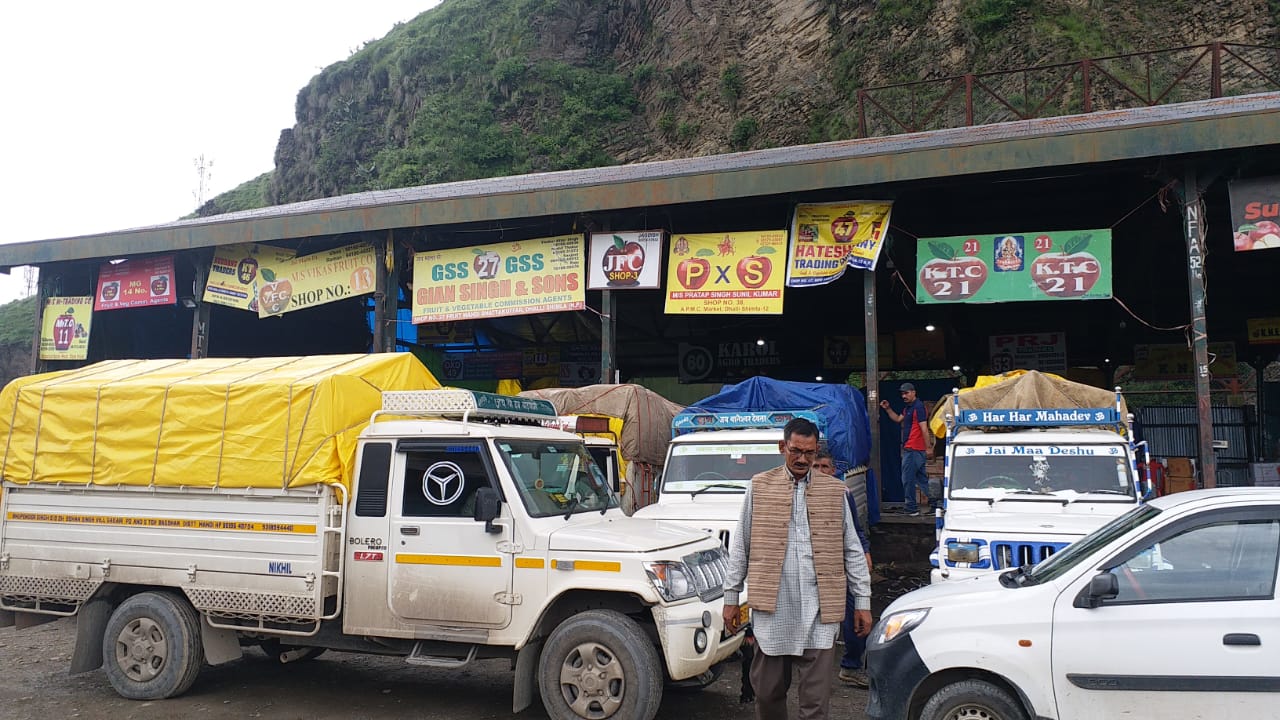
x=488 y=508
x=1103 y=586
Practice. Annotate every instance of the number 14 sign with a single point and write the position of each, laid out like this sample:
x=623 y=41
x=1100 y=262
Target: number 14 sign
x=1059 y=265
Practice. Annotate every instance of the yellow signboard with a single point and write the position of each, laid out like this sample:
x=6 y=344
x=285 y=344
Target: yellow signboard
x=1175 y=362
x=1264 y=331
x=64 y=332
x=828 y=237
x=730 y=273
x=510 y=278
x=317 y=279
x=236 y=272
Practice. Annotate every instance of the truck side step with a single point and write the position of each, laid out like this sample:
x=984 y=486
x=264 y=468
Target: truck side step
x=417 y=657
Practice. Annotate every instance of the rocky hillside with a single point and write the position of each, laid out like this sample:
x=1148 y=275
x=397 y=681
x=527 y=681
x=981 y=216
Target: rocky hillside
x=482 y=88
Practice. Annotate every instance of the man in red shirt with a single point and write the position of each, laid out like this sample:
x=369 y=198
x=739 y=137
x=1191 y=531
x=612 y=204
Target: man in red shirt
x=916 y=441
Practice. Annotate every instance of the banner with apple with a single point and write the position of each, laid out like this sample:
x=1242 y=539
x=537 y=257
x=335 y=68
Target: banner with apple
x=64 y=328
x=1255 y=213
x=316 y=279
x=826 y=238
x=625 y=260
x=498 y=280
x=141 y=282
x=235 y=273
x=726 y=273
x=1058 y=265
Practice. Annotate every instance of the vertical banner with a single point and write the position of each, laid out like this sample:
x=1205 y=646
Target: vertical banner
x=511 y=278
x=625 y=260
x=64 y=332
x=1255 y=212
x=1059 y=265
x=235 y=273
x=828 y=237
x=726 y=273
x=317 y=279
x=136 y=283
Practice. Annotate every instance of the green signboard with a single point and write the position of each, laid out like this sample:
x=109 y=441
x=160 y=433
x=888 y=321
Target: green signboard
x=1062 y=265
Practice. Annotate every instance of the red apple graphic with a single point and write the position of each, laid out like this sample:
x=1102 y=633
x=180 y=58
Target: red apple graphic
x=754 y=271
x=1070 y=273
x=844 y=227
x=948 y=278
x=623 y=262
x=692 y=273
x=1265 y=234
x=273 y=296
x=485 y=264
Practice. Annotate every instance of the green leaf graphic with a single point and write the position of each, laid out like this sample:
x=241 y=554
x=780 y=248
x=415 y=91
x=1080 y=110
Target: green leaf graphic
x=705 y=252
x=618 y=243
x=268 y=275
x=942 y=251
x=1075 y=244
x=477 y=251
x=765 y=250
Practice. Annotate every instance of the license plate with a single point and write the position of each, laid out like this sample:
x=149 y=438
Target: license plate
x=744 y=615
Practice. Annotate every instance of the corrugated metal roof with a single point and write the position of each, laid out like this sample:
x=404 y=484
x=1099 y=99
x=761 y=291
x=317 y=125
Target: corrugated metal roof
x=1177 y=129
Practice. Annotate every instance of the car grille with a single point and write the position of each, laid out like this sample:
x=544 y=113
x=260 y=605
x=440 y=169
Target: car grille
x=1016 y=554
x=708 y=569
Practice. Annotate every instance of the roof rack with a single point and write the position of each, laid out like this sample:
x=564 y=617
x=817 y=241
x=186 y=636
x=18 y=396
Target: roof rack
x=464 y=405
x=741 y=420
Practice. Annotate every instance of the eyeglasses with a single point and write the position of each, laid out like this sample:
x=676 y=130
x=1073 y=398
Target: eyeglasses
x=797 y=453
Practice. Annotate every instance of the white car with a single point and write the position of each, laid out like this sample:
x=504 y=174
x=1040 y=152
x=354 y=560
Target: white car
x=1167 y=611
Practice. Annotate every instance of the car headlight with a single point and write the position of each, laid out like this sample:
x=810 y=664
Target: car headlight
x=671 y=579
x=898 y=624
x=966 y=552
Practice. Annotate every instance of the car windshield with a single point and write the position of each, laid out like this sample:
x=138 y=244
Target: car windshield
x=1041 y=469
x=556 y=478
x=1067 y=558
x=717 y=467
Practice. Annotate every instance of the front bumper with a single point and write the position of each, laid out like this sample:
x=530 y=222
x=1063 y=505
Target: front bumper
x=678 y=629
x=895 y=670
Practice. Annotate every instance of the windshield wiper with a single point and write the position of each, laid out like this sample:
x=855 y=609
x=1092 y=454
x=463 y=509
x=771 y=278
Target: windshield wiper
x=574 y=502
x=1105 y=491
x=731 y=486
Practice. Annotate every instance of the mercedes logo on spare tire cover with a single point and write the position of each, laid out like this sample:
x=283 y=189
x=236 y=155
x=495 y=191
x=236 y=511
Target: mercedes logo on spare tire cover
x=442 y=483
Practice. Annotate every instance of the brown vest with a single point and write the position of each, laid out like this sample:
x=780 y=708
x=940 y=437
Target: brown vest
x=771 y=495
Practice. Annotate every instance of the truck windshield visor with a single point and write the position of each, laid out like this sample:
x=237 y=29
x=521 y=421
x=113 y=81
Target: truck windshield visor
x=717 y=467
x=556 y=478
x=1042 y=469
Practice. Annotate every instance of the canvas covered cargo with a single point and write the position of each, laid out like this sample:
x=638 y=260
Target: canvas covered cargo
x=1024 y=390
x=214 y=422
x=646 y=415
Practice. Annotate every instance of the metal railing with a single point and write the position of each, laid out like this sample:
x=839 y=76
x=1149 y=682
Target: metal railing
x=1194 y=72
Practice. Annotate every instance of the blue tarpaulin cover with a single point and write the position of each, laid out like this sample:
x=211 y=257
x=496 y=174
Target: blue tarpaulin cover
x=847 y=428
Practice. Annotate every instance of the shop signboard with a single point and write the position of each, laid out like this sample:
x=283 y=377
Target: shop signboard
x=826 y=238
x=1045 y=351
x=1058 y=265
x=317 y=279
x=140 y=282
x=726 y=273
x=625 y=260
x=1264 y=331
x=502 y=279
x=1255 y=213
x=235 y=273
x=64 y=331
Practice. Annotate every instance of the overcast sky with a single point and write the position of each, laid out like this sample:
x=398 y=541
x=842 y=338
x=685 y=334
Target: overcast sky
x=108 y=104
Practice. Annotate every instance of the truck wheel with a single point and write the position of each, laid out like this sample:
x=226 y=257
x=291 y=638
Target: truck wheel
x=972 y=700
x=151 y=648
x=599 y=664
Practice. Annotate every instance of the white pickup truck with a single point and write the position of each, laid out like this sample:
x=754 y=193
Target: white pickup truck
x=465 y=531
x=1021 y=484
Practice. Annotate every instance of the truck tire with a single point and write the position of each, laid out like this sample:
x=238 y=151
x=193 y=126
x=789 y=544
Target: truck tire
x=600 y=664
x=972 y=700
x=151 y=647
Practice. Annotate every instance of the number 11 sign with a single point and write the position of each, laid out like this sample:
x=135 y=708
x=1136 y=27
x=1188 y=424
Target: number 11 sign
x=1059 y=265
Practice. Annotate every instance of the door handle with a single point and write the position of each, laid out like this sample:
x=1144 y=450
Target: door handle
x=408 y=530
x=1241 y=639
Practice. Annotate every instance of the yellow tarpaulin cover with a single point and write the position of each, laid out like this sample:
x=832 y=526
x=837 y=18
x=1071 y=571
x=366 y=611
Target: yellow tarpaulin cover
x=257 y=422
